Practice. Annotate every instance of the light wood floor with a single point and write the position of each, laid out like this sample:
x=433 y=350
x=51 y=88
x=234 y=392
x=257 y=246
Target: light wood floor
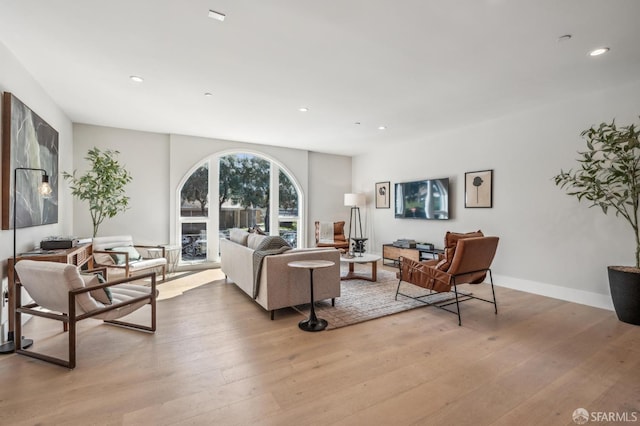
x=218 y=359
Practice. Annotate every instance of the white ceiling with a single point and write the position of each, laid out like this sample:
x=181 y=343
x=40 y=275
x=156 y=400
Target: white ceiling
x=415 y=66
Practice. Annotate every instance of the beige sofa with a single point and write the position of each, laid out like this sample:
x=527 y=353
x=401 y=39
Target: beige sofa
x=280 y=286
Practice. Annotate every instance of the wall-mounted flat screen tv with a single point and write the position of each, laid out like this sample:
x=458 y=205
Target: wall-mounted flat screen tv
x=423 y=199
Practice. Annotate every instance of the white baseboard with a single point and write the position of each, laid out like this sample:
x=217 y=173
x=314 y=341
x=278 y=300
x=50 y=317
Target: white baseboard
x=588 y=298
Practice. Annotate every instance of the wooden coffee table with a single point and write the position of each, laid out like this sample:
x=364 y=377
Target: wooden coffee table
x=365 y=258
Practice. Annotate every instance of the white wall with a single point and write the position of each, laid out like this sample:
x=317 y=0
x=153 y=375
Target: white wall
x=146 y=156
x=323 y=178
x=549 y=243
x=330 y=179
x=189 y=151
x=159 y=163
x=17 y=80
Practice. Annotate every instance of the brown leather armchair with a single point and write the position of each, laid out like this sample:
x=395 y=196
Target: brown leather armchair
x=339 y=240
x=466 y=260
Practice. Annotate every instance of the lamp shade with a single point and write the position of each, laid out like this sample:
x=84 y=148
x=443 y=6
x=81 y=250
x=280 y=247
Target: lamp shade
x=353 y=200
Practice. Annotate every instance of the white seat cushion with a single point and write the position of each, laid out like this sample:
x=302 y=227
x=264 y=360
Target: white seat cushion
x=48 y=283
x=123 y=293
x=146 y=264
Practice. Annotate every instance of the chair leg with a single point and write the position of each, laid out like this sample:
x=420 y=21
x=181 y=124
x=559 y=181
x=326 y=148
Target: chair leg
x=273 y=313
x=455 y=290
x=457 y=297
x=495 y=304
x=72 y=343
x=154 y=300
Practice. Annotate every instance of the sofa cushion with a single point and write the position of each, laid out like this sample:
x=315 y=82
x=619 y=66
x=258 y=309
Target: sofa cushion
x=255 y=240
x=450 y=241
x=239 y=236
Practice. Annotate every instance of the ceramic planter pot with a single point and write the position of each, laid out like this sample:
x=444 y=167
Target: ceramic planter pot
x=624 y=283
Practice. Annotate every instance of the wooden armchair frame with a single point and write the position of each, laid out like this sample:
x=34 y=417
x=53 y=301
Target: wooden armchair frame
x=69 y=320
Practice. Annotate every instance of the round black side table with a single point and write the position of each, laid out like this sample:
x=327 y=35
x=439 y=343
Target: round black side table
x=313 y=323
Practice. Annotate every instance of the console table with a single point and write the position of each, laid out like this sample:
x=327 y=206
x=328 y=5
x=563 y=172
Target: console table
x=79 y=255
x=393 y=253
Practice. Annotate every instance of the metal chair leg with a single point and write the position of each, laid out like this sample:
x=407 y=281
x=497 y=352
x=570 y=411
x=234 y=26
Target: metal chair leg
x=455 y=290
x=495 y=303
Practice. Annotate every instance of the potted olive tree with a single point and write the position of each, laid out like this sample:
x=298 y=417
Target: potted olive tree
x=102 y=186
x=609 y=177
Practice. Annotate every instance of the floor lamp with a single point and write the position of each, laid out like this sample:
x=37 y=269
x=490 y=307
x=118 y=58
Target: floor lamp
x=354 y=201
x=44 y=189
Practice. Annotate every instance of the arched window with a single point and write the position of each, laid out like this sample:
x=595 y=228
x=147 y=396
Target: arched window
x=249 y=190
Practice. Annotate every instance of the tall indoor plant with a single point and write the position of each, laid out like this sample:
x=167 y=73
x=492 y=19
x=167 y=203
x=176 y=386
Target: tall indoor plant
x=102 y=186
x=609 y=177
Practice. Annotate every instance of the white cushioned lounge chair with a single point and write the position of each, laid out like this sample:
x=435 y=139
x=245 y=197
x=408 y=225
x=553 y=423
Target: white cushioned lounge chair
x=124 y=258
x=60 y=292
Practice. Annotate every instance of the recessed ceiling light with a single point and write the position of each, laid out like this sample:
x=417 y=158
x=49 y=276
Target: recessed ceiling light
x=599 y=51
x=136 y=78
x=208 y=94
x=382 y=127
x=216 y=15
x=303 y=109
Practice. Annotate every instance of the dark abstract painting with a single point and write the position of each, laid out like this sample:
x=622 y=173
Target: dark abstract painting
x=27 y=141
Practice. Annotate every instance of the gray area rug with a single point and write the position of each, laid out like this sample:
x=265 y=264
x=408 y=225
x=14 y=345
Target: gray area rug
x=362 y=300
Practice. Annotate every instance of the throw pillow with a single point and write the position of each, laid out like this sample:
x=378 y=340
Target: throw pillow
x=120 y=258
x=102 y=295
x=450 y=241
x=239 y=236
x=254 y=240
x=257 y=230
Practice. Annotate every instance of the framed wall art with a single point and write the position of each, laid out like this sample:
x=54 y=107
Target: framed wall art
x=478 y=189
x=27 y=141
x=383 y=197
